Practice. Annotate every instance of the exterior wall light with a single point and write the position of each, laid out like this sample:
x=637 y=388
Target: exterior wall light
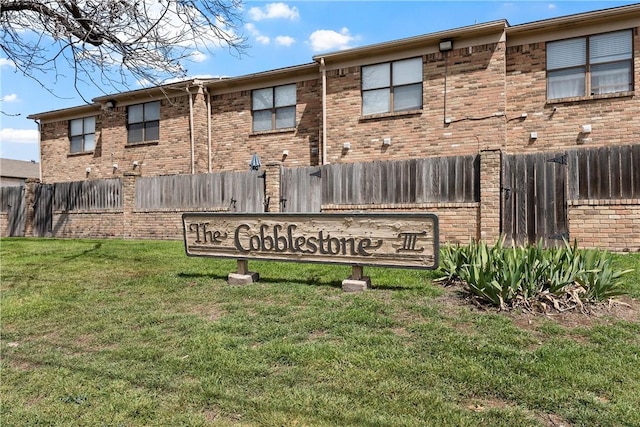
x=445 y=45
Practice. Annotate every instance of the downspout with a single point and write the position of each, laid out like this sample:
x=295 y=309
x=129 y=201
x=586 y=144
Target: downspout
x=39 y=150
x=208 y=127
x=192 y=137
x=324 y=111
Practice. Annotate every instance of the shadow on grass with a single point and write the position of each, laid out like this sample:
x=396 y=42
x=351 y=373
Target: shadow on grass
x=311 y=281
x=83 y=253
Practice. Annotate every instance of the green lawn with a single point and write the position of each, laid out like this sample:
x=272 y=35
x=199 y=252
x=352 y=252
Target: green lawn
x=132 y=333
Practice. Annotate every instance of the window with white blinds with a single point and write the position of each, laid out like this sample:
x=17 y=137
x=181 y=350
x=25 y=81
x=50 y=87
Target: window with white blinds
x=592 y=65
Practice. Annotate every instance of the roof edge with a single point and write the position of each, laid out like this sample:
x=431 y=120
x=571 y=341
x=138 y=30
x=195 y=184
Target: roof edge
x=588 y=18
x=406 y=43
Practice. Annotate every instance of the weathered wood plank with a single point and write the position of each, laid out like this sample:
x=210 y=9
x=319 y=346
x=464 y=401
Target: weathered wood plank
x=394 y=240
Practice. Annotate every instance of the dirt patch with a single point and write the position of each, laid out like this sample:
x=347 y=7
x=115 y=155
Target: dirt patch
x=553 y=420
x=456 y=300
x=548 y=420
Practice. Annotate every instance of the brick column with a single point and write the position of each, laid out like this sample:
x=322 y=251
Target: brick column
x=490 y=195
x=128 y=203
x=272 y=185
x=29 y=201
x=200 y=130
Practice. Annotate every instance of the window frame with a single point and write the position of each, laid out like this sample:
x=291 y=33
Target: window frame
x=83 y=135
x=589 y=67
x=145 y=125
x=391 y=87
x=274 y=109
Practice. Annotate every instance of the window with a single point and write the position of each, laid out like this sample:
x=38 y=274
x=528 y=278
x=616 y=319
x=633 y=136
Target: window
x=593 y=65
x=82 y=134
x=274 y=108
x=143 y=122
x=392 y=86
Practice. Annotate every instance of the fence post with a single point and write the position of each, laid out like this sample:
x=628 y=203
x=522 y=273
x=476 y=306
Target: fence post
x=272 y=186
x=490 y=194
x=29 y=200
x=128 y=204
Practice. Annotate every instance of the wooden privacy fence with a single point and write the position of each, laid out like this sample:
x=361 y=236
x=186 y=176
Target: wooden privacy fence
x=534 y=204
x=607 y=173
x=535 y=193
x=87 y=195
x=430 y=180
x=13 y=205
x=536 y=188
x=234 y=191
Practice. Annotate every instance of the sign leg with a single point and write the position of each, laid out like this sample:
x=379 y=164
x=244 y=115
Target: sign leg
x=243 y=276
x=357 y=282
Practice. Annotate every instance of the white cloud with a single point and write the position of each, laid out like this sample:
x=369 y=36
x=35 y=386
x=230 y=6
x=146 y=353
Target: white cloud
x=260 y=38
x=4 y=62
x=12 y=97
x=552 y=6
x=323 y=40
x=18 y=136
x=285 y=41
x=197 y=56
x=273 y=11
x=263 y=39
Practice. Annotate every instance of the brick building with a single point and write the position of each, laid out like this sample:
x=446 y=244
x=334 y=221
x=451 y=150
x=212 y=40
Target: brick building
x=489 y=85
x=566 y=83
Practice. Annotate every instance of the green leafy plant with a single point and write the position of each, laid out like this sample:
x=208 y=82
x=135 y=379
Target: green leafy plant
x=502 y=275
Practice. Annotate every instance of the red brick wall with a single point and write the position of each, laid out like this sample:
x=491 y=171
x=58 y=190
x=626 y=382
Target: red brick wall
x=457 y=222
x=234 y=143
x=614 y=119
x=602 y=224
x=171 y=154
x=475 y=92
x=100 y=224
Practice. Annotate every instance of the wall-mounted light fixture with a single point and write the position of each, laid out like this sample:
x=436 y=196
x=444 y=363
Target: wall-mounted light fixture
x=254 y=164
x=346 y=146
x=533 y=136
x=115 y=166
x=110 y=104
x=386 y=142
x=585 y=129
x=135 y=164
x=285 y=153
x=445 y=45
x=88 y=170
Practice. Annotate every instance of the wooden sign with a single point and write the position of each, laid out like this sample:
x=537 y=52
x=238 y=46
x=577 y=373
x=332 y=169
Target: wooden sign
x=391 y=240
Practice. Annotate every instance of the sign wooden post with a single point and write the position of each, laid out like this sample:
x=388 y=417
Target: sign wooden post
x=243 y=276
x=403 y=240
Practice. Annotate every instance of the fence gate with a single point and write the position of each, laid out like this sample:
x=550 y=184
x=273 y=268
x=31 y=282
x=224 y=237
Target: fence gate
x=43 y=210
x=301 y=189
x=534 y=202
x=13 y=203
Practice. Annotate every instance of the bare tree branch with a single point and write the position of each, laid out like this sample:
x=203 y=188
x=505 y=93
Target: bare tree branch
x=107 y=43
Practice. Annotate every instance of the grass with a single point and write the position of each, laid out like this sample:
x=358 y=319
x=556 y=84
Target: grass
x=133 y=333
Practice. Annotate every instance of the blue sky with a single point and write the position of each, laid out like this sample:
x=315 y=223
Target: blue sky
x=281 y=34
